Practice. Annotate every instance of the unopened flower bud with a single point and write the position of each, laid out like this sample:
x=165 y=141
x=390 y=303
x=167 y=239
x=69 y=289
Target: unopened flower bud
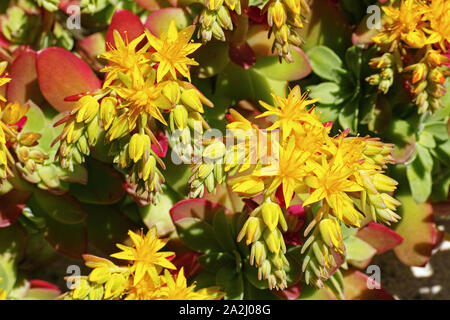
x=331 y=233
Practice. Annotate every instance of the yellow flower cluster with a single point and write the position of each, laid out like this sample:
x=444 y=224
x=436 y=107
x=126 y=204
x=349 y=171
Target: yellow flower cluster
x=415 y=23
x=343 y=174
x=285 y=19
x=147 y=278
x=141 y=85
x=422 y=25
x=11 y=137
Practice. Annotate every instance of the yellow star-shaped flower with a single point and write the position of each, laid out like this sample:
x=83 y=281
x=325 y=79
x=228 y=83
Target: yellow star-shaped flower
x=172 y=51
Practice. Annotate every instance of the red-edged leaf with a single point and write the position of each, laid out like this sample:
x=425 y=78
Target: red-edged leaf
x=380 y=237
x=195 y=208
x=225 y=197
x=24 y=82
x=159 y=21
x=11 y=206
x=357 y=288
x=418 y=230
x=291 y=293
x=93 y=45
x=41 y=284
x=187 y=260
x=127 y=23
x=242 y=54
x=62 y=74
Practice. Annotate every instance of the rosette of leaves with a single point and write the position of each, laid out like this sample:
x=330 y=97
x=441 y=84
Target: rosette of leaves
x=423 y=149
x=35 y=23
x=345 y=97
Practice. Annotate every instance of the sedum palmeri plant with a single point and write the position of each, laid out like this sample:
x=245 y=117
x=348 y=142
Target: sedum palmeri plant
x=140 y=86
x=413 y=43
x=341 y=176
x=149 y=275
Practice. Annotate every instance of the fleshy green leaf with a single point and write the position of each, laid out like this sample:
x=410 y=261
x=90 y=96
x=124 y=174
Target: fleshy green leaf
x=63 y=208
x=327 y=92
x=105 y=185
x=358 y=251
x=419 y=174
x=197 y=235
x=158 y=215
x=325 y=63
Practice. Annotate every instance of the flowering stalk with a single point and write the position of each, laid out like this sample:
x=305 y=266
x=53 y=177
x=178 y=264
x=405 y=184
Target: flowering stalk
x=146 y=278
x=413 y=44
x=140 y=86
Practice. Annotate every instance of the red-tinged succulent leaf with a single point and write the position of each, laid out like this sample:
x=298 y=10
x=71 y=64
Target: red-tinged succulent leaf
x=225 y=197
x=41 y=284
x=24 y=84
x=291 y=293
x=187 y=260
x=242 y=54
x=259 y=42
x=418 y=230
x=159 y=21
x=93 y=45
x=105 y=185
x=11 y=206
x=356 y=287
x=195 y=208
x=153 y=5
x=379 y=237
x=62 y=74
x=272 y=68
x=127 y=23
